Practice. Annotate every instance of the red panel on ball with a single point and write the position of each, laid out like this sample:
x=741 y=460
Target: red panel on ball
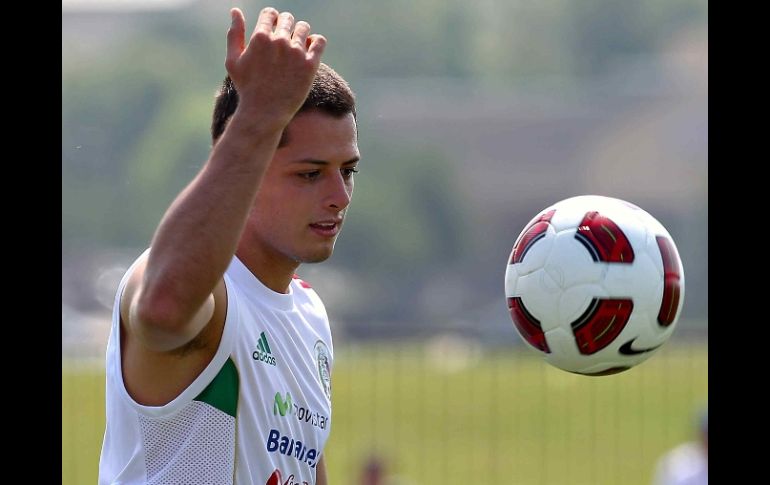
x=529 y=326
x=604 y=239
x=672 y=288
x=532 y=233
x=598 y=326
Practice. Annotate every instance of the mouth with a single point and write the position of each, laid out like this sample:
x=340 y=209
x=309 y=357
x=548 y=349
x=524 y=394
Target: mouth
x=326 y=228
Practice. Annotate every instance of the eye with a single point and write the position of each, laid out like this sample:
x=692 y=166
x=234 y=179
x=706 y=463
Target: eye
x=310 y=175
x=348 y=172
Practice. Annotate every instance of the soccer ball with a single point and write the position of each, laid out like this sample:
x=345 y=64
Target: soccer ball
x=594 y=284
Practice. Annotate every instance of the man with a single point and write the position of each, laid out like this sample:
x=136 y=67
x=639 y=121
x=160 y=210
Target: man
x=219 y=359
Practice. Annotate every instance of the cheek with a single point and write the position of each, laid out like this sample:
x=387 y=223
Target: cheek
x=272 y=195
x=280 y=211
x=267 y=209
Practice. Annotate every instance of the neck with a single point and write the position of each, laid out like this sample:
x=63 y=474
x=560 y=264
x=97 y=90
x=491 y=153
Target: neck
x=273 y=273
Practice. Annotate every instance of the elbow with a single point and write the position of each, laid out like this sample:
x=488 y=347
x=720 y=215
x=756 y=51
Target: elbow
x=156 y=309
x=157 y=321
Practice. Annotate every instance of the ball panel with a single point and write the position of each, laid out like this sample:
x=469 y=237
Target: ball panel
x=570 y=264
x=639 y=281
x=601 y=323
x=536 y=254
x=538 y=292
x=575 y=301
x=672 y=268
x=604 y=239
x=527 y=325
x=511 y=277
x=534 y=231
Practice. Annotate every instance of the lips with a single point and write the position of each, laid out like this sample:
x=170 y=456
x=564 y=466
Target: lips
x=326 y=228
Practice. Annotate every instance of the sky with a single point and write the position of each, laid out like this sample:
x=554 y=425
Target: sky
x=121 y=5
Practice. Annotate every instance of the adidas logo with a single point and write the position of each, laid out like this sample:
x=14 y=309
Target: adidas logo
x=263 y=352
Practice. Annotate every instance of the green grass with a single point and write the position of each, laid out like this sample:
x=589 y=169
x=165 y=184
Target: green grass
x=82 y=421
x=499 y=418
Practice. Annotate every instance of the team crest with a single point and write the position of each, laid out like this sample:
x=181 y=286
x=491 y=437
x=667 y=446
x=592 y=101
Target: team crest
x=323 y=362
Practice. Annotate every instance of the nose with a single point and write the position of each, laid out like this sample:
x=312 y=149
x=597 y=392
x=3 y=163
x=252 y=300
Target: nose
x=340 y=192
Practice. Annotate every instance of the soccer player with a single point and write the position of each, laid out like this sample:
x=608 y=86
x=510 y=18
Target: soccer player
x=219 y=357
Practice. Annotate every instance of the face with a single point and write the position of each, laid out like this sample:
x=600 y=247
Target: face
x=301 y=203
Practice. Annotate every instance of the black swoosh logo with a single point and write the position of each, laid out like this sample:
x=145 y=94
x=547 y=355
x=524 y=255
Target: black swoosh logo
x=626 y=349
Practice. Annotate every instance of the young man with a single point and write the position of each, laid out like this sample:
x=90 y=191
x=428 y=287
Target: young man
x=219 y=359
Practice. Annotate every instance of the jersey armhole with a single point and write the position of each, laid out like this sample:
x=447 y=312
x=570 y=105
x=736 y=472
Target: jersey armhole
x=226 y=345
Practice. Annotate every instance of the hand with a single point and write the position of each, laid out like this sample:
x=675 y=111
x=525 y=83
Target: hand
x=274 y=71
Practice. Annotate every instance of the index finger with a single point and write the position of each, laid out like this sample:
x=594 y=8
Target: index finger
x=266 y=21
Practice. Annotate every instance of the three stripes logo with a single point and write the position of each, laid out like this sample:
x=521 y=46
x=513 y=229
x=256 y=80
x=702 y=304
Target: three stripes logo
x=263 y=352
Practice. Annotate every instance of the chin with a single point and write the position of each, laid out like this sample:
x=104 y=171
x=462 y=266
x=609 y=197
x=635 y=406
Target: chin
x=316 y=256
x=319 y=259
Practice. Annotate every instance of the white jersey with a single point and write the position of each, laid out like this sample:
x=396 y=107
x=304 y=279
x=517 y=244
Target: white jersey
x=263 y=403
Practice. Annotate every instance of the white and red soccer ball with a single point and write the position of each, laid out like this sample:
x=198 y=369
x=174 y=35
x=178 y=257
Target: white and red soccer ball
x=595 y=284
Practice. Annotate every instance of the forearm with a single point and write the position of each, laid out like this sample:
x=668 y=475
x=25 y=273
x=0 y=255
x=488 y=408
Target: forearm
x=199 y=233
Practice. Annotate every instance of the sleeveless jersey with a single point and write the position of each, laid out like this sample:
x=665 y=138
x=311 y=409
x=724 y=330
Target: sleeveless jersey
x=263 y=402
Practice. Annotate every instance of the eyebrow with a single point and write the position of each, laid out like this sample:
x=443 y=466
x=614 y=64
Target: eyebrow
x=324 y=162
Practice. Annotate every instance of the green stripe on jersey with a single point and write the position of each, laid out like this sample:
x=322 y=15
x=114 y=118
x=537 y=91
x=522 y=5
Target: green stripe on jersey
x=222 y=393
x=267 y=345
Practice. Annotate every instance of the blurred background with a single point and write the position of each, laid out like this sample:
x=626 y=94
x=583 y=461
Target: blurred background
x=473 y=116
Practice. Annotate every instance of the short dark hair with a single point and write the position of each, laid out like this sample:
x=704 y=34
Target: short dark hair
x=330 y=93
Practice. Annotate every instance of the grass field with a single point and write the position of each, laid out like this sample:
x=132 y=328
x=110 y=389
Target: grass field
x=504 y=418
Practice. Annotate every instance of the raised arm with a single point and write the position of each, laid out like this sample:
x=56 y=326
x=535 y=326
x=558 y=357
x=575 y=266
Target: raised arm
x=172 y=297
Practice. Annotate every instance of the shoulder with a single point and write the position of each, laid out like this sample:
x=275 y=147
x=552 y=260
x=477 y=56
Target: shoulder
x=310 y=306
x=302 y=283
x=305 y=294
